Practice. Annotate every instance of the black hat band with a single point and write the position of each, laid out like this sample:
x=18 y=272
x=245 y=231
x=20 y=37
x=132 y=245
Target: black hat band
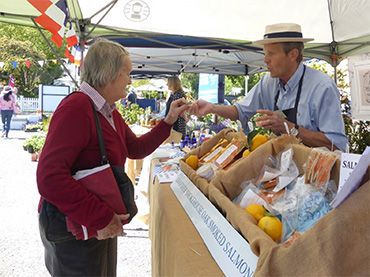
x=283 y=35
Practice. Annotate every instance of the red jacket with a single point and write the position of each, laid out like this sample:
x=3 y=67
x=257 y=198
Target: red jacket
x=72 y=145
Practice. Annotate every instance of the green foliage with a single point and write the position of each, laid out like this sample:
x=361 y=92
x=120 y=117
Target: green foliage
x=357 y=131
x=33 y=127
x=191 y=81
x=130 y=114
x=34 y=143
x=150 y=94
x=254 y=79
x=138 y=83
x=232 y=81
x=45 y=123
x=18 y=44
x=256 y=129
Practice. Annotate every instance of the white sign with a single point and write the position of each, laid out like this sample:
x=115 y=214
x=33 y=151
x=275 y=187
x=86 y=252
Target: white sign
x=359 y=76
x=51 y=96
x=348 y=163
x=354 y=180
x=229 y=249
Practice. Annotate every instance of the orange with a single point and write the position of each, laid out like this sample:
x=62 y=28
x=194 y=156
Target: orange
x=246 y=153
x=255 y=210
x=258 y=140
x=271 y=226
x=192 y=161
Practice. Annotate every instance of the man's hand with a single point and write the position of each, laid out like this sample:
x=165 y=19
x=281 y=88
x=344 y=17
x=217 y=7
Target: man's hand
x=114 y=228
x=271 y=120
x=201 y=107
x=177 y=108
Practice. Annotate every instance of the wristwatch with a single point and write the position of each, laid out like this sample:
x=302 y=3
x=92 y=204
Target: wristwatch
x=294 y=131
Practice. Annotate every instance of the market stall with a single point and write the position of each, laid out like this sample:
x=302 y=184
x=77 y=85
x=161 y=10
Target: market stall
x=179 y=248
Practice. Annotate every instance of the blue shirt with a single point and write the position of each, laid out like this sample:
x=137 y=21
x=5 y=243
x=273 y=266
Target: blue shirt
x=318 y=109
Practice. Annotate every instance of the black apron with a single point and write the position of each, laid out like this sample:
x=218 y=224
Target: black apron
x=291 y=114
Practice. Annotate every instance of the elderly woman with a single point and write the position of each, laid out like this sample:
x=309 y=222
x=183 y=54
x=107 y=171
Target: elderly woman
x=72 y=145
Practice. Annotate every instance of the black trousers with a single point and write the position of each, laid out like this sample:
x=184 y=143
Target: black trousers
x=72 y=257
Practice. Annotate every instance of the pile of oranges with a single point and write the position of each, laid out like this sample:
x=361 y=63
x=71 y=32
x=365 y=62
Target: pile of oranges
x=270 y=224
x=256 y=142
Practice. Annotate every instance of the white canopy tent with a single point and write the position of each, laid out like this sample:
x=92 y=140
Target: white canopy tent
x=340 y=28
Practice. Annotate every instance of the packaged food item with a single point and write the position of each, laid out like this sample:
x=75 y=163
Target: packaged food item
x=214 y=152
x=211 y=156
x=227 y=156
x=236 y=145
x=318 y=167
x=207 y=171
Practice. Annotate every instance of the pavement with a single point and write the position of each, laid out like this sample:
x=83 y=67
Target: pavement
x=20 y=245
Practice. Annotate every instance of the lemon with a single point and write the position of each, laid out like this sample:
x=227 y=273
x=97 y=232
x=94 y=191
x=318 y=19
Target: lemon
x=271 y=226
x=255 y=210
x=246 y=153
x=257 y=141
x=192 y=161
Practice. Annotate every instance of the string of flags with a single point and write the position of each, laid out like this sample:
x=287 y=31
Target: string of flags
x=53 y=18
x=41 y=63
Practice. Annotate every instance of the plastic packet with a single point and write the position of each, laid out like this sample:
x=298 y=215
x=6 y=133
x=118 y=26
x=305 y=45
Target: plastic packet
x=287 y=206
x=318 y=166
x=250 y=195
x=282 y=170
x=310 y=209
x=301 y=207
x=207 y=171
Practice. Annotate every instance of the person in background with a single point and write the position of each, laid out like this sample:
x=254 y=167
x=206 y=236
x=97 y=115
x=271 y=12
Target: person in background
x=7 y=107
x=72 y=145
x=304 y=99
x=177 y=92
x=131 y=97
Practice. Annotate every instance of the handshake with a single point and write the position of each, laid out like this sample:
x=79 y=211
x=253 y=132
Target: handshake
x=182 y=107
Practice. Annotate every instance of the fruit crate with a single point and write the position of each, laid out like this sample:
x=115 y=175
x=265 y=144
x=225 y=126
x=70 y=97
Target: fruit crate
x=200 y=151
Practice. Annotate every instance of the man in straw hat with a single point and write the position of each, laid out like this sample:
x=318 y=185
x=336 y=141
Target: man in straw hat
x=309 y=99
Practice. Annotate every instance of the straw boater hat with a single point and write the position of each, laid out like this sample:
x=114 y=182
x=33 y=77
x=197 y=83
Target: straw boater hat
x=282 y=32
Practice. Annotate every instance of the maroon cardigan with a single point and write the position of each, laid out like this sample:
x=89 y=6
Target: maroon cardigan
x=72 y=144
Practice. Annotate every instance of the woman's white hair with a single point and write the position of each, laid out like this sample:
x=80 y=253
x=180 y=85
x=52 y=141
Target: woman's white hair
x=102 y=63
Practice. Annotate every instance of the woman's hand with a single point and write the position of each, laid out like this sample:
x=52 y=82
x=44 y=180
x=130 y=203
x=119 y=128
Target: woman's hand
x=177 y=108
x=114 y=228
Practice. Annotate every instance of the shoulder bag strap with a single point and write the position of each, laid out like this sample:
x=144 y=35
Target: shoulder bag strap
x=103 y=153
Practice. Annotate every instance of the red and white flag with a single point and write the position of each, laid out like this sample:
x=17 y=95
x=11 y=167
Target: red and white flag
x=54 y=15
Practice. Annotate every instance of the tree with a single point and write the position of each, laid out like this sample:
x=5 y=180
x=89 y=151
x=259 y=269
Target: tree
x=357 y=131
x=232 y=81
x=191 y=81
x=21 y=50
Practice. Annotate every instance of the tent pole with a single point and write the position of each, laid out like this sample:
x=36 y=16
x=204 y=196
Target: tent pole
x=111 y=6
x=335 y=75
x=55 y=52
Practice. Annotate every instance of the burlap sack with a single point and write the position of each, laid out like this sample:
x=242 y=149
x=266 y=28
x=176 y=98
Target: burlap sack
x=228 y=181
x=200 y=151
x=337 y=245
